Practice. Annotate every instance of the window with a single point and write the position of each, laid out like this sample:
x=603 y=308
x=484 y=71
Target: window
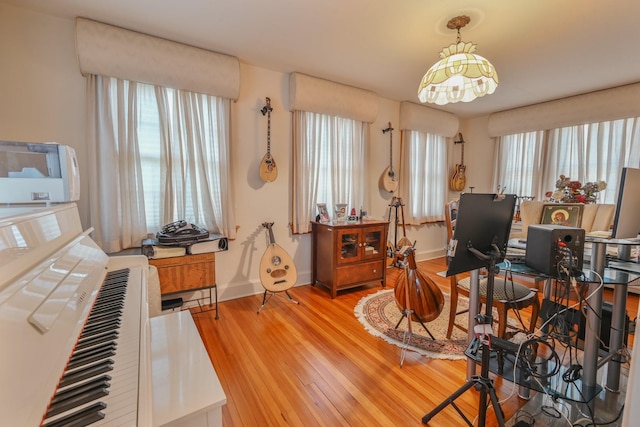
x=532 y=162
x=520 y=160
x=424 y=176
x=329 y=165
x=161 y=155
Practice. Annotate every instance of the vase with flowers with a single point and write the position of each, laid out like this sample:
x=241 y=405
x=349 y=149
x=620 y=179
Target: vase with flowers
x=571 y=191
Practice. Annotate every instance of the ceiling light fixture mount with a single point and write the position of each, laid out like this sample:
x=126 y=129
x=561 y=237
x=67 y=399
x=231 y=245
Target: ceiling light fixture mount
x=460 y=75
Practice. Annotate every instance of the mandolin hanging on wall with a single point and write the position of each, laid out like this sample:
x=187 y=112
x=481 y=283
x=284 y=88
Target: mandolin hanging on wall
x=268 y=169
x=458 y=179
x=389 y=179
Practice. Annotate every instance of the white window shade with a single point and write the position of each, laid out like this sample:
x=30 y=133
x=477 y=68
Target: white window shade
x=595 y=107
x=311 y=94
x=428 y=120
x=116 y=52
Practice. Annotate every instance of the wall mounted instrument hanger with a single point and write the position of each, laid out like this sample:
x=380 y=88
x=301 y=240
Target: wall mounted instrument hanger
x=268 y=169
x=388 y=179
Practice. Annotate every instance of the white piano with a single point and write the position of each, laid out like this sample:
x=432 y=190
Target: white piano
x=77 y=344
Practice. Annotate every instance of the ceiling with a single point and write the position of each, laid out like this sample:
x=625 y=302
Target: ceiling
x=541 y=49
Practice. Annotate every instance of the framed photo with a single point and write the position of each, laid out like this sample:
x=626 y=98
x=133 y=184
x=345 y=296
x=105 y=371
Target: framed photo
x=567 y=214
x=323 y=213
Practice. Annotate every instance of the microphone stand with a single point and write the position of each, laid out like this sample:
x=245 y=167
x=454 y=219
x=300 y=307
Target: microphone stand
x=481 y=382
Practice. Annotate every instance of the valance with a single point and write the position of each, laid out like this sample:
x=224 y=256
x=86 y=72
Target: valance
x=312 y=94
x=116 y=52
x=595 y=107
x=424 y=119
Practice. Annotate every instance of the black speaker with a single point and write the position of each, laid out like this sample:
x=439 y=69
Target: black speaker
x=550 y=246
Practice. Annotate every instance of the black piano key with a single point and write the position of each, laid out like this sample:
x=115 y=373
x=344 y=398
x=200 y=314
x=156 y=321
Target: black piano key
x=107 y=309
x=93 y=336
x=90 y=359
x=113 y=315
x=105 y=302
x=113 y=294
x=88 y=352
x=97 y=339
x=87 y=416
x=105 y=325
x=85 y=393
x=87 y=372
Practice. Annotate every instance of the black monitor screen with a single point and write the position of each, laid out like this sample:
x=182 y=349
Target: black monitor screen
x=483 y=220
x=626 y=223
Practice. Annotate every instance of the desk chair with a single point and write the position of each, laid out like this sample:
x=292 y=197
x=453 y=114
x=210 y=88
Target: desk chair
x=506 y=294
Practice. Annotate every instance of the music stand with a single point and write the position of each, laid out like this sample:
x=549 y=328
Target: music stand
x=480 y=240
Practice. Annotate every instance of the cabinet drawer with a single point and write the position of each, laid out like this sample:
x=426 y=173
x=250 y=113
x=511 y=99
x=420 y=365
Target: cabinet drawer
x=179 y=274
x=183 y=260
x=363 y=272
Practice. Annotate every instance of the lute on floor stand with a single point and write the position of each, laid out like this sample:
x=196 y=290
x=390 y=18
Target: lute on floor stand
x=481 y=382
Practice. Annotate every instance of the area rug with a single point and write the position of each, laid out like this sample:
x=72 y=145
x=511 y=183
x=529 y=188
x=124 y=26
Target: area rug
x=379 y=314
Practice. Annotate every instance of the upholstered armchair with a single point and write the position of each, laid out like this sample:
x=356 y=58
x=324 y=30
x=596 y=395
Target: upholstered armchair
x=506 y=293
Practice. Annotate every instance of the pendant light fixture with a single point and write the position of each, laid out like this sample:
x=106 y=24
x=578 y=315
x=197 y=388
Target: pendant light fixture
x=460 y=75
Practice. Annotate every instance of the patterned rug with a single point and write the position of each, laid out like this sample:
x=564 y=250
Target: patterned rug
x=379 y=314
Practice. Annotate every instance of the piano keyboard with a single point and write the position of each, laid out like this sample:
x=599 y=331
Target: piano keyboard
x=99 y=385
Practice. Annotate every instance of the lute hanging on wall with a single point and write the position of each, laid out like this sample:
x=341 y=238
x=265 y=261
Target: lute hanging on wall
x=268 y=169
x=458 y=179
x=388 y=179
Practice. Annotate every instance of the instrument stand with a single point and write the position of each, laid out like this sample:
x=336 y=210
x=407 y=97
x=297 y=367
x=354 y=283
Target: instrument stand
x=481 y=382
x=405 y=314
x=267 y=296
x=396 y=202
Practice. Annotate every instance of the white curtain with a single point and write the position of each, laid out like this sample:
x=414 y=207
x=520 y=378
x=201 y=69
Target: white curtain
x=519 y=160
x=115 y=177
x=423 y=180
x=328 y=165
x=158 y=155
x=529 y=164
x=194 y=160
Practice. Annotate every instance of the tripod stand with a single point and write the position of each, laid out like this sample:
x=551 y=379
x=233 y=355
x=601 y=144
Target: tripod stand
x=482 y=383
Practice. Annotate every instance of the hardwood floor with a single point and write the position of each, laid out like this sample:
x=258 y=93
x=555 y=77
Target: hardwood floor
x=314 y=364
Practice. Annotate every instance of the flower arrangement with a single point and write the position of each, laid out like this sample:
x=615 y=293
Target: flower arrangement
x=568 y=191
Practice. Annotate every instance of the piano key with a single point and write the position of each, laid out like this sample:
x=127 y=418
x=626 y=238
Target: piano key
x=121 y=403
x=97 y=339
x=96 y=335
x=84 y=417
x=93 y=351
x=86 y=372
x=78 y=395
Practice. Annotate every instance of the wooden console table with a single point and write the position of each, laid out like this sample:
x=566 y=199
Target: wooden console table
x=347 y=255
x=189 y=273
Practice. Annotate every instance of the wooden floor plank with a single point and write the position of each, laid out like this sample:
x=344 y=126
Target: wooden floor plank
x=314 y=364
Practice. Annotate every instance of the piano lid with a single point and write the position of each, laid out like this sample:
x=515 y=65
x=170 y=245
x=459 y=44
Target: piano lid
x=29 y=234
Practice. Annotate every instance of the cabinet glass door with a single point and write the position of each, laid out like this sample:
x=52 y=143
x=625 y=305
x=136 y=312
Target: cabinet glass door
x=349 y=243
x=373 y=242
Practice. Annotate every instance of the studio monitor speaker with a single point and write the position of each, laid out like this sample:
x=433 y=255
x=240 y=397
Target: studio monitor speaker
x=551 y=247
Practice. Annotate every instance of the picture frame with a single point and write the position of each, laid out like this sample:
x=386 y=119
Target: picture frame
x=323 y=213
x=566 y=214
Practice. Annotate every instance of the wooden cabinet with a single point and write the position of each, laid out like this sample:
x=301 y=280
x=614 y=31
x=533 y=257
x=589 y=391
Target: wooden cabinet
x=188 y=273
x=348 y=255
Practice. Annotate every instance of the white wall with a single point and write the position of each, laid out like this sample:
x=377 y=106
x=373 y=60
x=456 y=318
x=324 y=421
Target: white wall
x=43 y=99
x=42 y=93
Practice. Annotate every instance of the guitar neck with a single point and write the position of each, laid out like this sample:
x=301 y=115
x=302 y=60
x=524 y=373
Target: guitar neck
x=267 y=110
x=268 y=226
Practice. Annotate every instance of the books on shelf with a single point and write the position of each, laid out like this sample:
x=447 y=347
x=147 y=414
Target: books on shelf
x=153 y=249
x=166 y=252
x=214 y=244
